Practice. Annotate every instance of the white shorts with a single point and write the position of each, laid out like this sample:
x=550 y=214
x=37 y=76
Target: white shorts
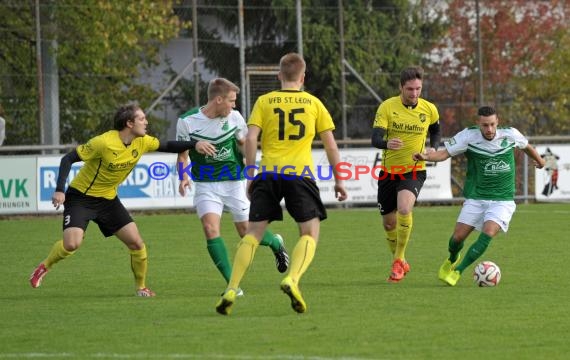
x=215 y=197
x=477 y=212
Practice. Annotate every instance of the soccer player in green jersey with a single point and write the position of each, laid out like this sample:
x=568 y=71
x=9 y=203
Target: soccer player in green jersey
x=92 y=194
x=219 y=178
x=489 y=186
x=400 y=129
x=288 y=120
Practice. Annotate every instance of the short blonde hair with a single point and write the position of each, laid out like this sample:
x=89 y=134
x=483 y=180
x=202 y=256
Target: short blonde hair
x=292 y=66
x=221 y=87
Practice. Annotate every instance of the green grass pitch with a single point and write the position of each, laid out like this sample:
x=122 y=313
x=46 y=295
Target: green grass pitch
x=86 y=308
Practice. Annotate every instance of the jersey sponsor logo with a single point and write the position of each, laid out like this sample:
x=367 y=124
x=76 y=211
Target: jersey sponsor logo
x=407 y=127
x=223 y=154
x=494 y=167
x=120 y=166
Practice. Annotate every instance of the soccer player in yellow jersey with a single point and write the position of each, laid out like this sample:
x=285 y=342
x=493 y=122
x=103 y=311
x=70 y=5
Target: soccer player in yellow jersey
x=400 y=128
x=92 y=194
x=288 y=120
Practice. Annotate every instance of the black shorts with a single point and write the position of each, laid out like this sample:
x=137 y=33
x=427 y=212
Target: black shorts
x=302 y=198
x=79 y=209
x=390 y=184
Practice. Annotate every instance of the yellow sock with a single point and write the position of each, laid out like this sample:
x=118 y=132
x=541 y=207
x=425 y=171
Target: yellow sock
x=56 y=254
x=391 y=239
x=302 y=257
x=139 y=266
x=243 y=258
x=404 y=228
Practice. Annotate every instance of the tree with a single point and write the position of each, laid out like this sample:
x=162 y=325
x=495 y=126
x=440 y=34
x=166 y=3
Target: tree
x=544 y=97
x=103 y=47
x=381 y=37
x=517 y=38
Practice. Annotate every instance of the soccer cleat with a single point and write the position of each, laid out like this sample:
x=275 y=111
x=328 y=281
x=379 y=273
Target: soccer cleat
x=38 y=275
x=145 y=292
x=406 y=267
x=452 y=278
x=281 y=256
x=399 y=270
x=292 y=290
x=224 y=306
x=239 y=293
x=447 y=267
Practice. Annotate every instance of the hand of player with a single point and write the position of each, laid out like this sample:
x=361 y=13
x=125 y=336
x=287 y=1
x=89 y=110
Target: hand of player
x=205 y=148
x=340 y=192
x=184 y=183
x=539 y=165
x=394 y=144
x=419 y=156
x=57 y=199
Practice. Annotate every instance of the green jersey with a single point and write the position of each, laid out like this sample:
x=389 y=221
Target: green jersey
x=490 y=163
x=224 y=133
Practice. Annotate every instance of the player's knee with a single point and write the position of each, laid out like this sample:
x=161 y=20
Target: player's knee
x=136 y=245
x=72 y=246
x=210 y=230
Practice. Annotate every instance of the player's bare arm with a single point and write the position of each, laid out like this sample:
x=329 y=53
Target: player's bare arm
x=439 y=155
x=333 y=157
x=539 y=161
x=185 y=182
x=251 y=153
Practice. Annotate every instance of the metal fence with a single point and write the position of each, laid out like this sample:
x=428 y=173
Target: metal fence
x=227 y=39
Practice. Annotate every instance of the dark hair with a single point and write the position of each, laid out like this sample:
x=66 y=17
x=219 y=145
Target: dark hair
x=411 y=73
x=486 y=111
x=125 y=113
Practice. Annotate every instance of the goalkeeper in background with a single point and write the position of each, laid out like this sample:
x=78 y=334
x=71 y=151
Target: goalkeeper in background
x=489 y=186
x=92 y=195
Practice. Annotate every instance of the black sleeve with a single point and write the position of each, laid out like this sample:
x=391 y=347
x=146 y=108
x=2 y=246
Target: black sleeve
x=177 y=146
x=378 y=138
x=434 y=135
x=64 y=167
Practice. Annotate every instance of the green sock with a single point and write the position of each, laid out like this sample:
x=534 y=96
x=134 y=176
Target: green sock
x=454 y=249
x=269 y=239
x=474 y=252
x=219 y=254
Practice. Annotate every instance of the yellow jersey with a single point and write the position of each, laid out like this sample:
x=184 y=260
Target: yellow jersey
x=289 y=120
x=108 y=162
x=409 y=125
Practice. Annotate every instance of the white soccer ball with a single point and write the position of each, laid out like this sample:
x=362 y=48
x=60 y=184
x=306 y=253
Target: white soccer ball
x=487 y=273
